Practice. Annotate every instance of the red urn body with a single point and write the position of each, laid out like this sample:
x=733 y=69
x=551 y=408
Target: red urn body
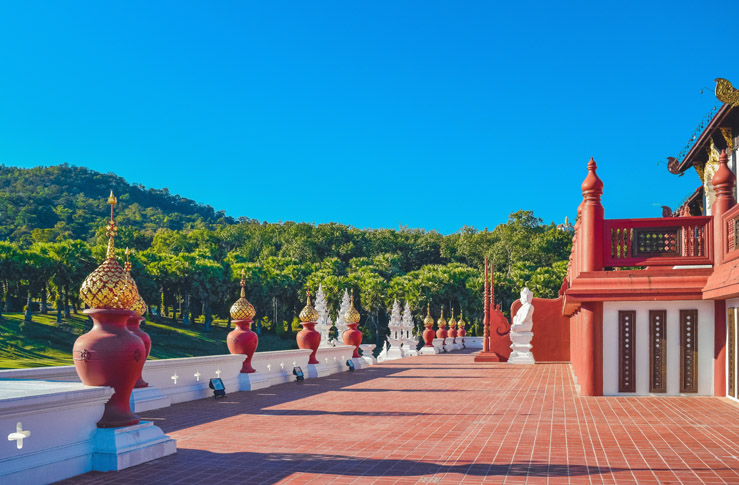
x=133 y=325
x=242 y=340
x=110 y=355
x=353 y=337
x=453 y=335
x=309 y=338
x=442 y=333
x=428 y=336
x=462 y=332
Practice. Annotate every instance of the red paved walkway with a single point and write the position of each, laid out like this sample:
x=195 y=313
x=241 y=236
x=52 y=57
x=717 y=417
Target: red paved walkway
x=443 y=419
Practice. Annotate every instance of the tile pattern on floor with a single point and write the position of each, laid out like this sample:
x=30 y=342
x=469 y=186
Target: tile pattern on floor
x=442 y=419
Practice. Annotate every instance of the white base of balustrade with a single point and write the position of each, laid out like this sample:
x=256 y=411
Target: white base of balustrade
x=120 y=448
x=320 y=370
x=394 y=353
x=148 y=398
x=253 y=381
x=360 y=363
x=426 y=350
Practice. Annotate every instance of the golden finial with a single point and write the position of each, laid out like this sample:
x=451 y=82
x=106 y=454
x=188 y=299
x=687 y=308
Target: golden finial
x=726 y=93
x=308 y=313
x=110 y=286
x=139 y=306
x=461 y=323
x=242 y=309
x=352 y=315
x=127 y=266
x=453 y=322
x=428 y=321
x=441 y=322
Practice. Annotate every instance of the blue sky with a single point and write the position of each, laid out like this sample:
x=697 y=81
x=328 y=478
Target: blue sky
x=374 y=114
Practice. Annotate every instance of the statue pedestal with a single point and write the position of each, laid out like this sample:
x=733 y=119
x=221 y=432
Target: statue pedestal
x=521 y=348
x=428 y=351
x=252 y=382
x=119 y=448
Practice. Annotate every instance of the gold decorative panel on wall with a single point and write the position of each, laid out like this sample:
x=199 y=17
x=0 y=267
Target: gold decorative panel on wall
x=626 y=322
x=657 y=351
x=688 y=351
x=731 y=323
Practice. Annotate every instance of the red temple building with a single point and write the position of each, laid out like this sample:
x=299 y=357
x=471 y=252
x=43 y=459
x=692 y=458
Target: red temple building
x=652 y=303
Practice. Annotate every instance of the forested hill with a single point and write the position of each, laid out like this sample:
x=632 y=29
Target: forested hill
x=63 y=201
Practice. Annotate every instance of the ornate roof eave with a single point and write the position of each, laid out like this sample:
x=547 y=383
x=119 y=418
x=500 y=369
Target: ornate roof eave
x=704 y=139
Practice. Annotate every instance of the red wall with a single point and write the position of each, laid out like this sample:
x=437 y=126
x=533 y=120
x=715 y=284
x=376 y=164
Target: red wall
x=551 y=342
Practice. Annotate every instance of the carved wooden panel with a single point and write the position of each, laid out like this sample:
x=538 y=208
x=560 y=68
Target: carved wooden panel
x=657 y=351
x=663 y=241
x=731 y=322
x=626 y=321
x=688 y=351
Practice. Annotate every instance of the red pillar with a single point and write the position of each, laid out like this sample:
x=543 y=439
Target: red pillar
x=591 y=244
x=723 y=183
x=486 y=319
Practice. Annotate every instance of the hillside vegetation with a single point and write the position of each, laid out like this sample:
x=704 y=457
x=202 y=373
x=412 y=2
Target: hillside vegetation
x=188 y=258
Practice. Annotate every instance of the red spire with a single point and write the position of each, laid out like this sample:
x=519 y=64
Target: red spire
x=592 y=185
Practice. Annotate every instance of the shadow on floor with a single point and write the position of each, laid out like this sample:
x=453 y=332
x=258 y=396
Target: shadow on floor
x=243 y=467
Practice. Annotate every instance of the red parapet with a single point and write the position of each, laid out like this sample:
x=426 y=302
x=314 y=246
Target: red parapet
x=658 y=241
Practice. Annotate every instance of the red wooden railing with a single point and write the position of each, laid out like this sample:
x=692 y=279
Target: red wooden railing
x=665 y=241
x=730 y=224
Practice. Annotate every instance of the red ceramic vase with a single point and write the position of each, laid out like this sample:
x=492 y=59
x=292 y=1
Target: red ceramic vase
x=453 y=335
x=242 y=340
x=309 y=338
x=462 y=332
x=353 y=337
x=134 y=328
x=428 y=336
x=110 y=355
x=442 y=334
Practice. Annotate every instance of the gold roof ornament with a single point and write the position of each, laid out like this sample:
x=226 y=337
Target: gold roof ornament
x=109 y=287
x=242 y=309
x=461 y=323
x=428 y=321
x=441 y=322
x=726 y=93
x=352 y=315
x=308 y=313
x=453 y=322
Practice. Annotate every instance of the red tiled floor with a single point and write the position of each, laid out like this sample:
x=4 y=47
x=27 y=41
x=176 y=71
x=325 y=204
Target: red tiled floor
x=443 y=419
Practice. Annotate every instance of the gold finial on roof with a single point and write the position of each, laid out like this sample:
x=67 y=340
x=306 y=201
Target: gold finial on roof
x=352 y=315
x=242 y=309
x=308 y=313
x=726 y=93
x=109 y=286
x=428 y=321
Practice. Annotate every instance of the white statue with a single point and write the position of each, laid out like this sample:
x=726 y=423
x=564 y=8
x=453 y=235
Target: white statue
x=521 y=333
x=340 y=323
x=396 y=333
x=410 y=341
x=322 y=325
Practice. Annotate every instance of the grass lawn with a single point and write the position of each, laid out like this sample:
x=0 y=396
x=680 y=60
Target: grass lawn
x=43 y=342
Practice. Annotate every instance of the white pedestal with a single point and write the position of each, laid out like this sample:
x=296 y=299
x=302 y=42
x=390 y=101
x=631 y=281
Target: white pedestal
x=367 y=353
x=148 y=398
x=360 y=363
x=253 y=381
x=521 y=348
x=425 y=350
x=394 y=353
x=119 y=448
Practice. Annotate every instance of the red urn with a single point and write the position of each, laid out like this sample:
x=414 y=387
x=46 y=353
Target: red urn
x=109 y=354
x=242 y=340
x=133 y=325
x=428 y=334
x=462 y=323
x=352 y=336
x=441 y=332
x=309 y=338
x=453 y=328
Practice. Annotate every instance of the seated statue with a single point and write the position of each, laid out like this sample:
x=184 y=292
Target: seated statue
x=521 y=333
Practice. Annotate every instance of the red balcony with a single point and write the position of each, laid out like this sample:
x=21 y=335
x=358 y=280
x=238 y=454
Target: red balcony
x=658 y=242
x=730 y=225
